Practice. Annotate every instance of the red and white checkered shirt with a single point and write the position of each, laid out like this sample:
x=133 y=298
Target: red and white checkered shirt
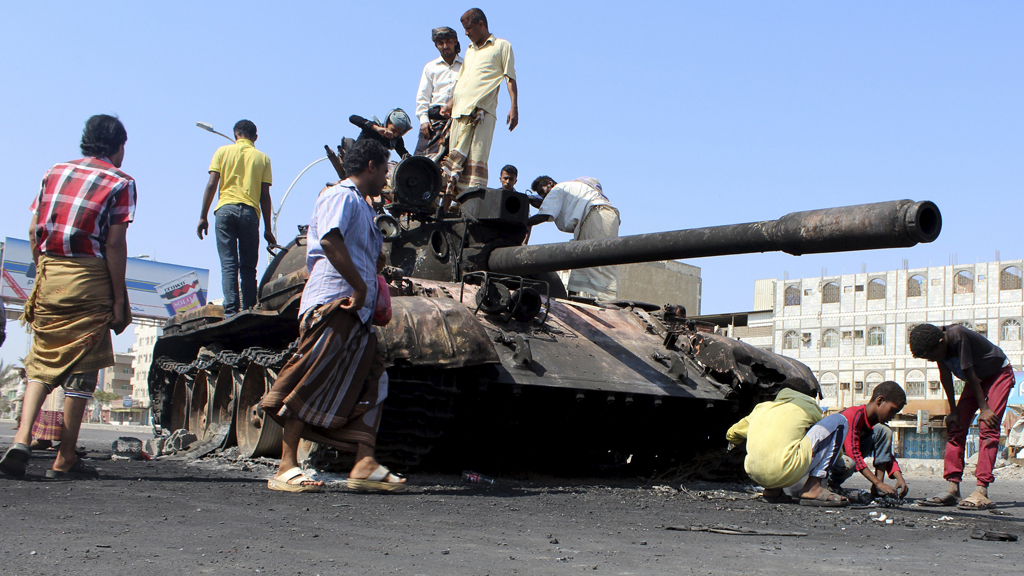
x=77 y=203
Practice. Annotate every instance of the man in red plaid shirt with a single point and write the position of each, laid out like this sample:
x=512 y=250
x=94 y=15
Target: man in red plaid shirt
x=79 y=222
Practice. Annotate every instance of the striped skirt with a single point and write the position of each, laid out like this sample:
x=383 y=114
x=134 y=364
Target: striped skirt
x=335 y=383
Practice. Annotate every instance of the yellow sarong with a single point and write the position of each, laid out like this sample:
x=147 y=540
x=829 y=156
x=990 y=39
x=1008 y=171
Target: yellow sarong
x=70 y=310
x=469 y=145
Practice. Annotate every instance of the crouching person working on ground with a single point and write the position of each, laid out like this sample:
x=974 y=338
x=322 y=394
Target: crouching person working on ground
x=869 y=435
x=332 y=390
x=988 y=380
x=790 y=446
x=79 y=222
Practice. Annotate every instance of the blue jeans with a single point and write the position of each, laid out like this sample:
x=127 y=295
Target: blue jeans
x=827 y=438
x=878 y=445
x=238 y=243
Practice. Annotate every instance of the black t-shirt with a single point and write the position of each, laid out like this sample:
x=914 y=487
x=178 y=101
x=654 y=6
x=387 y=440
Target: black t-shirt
x=968 y=349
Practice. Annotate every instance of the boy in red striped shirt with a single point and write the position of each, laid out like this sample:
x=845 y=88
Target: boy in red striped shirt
x=868 y=434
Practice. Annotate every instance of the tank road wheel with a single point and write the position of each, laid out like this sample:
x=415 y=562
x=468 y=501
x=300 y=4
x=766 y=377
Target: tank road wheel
x=258 y=435
x=222 y=406
x=198 y=406
x=179 y=403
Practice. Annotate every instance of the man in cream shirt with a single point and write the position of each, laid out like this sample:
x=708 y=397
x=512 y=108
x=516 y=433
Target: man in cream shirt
x=435 y=90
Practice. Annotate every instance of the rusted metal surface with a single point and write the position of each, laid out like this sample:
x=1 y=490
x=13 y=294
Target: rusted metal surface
x=741 y=365
x=895 y=224
x=434 y=332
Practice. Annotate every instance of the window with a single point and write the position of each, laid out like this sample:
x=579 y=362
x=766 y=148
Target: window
x=1011 y=330
x=963 y=282
x=1010 y=278
x=915 y=384
x=876 y=336
x=830 y=293
x=791 y=341
x=830 y=339
x=876 y=289
x=829 y=386
x=873 y=379
x=792 y=296
x=966 y=324
x=915 y=286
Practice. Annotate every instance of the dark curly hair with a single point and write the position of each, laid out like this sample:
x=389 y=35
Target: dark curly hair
x=357 y=159
x=246 y=129
x=924 y=339
x=541 y=181
x=890 y=391
x=103 y=136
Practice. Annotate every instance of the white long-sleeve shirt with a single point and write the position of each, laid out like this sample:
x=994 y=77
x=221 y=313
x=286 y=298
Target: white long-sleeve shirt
x=436 y=85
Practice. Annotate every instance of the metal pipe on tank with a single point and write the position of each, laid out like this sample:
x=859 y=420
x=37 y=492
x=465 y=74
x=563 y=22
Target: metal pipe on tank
x=894 y=224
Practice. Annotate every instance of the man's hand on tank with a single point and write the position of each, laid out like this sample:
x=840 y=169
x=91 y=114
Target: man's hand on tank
x=446 y=111
x=425 y=129
x=270 y=238
x=513 y=118
x=204 y=227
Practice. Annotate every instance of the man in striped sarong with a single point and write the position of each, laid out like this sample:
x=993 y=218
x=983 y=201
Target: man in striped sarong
x=332 y=389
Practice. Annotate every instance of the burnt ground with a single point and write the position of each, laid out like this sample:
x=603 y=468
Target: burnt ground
x=217 y=517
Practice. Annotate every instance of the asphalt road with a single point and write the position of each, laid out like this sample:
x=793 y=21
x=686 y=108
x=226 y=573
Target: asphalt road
x=217 y=517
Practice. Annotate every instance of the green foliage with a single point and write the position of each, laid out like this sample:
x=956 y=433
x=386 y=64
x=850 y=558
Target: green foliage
x=103 y=396
x=5 y=405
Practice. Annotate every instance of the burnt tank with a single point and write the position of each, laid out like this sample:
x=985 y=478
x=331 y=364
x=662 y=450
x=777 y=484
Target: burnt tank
x=491 y=366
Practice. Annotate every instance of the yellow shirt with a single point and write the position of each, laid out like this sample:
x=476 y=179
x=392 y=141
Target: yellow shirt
x=243 y=170
x=482 y=71
x=778 y=454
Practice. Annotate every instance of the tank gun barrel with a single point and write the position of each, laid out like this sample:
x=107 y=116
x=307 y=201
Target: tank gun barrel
x=894 y=224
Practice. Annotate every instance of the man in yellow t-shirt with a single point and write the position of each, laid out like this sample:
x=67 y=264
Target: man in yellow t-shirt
x=474 y=104
x=241 y=174
x=789 y=445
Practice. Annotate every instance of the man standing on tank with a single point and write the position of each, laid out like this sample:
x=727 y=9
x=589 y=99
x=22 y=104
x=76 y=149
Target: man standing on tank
x=241 y=174
x=78 y=238
x=435 y=90
x=474 y=105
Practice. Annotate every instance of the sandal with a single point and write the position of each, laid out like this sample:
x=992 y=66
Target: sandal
x=294 y=480
x=826 y=499
x=78 y=471
x=15 y=461
x=382 y=480
x=942 y=499
x=780 y=498
x=976 y=503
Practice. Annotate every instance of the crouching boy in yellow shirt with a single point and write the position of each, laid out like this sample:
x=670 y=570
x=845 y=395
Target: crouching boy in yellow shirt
x=789 y=445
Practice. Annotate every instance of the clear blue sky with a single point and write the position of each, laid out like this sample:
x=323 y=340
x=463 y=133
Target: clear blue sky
x=690 y=113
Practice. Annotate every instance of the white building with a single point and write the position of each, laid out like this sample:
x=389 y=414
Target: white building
x=145 y=340
x=852 y=330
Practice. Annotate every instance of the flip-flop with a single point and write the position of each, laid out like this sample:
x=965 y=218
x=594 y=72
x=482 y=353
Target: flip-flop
x=824 y=499
x=968 y=504
x=940 y=500
x=15 y=461
x=382 y=480
x=294 y=480
x=78 y=471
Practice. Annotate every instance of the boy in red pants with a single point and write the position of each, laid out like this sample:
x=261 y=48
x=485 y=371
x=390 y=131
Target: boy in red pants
x=988 y=379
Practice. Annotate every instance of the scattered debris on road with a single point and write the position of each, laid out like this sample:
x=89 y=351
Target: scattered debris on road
x=733 y=530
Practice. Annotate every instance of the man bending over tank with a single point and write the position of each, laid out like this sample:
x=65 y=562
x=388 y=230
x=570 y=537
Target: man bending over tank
x=580 y=208
x=790 y=446
x=988 y=379
x=332 y=389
